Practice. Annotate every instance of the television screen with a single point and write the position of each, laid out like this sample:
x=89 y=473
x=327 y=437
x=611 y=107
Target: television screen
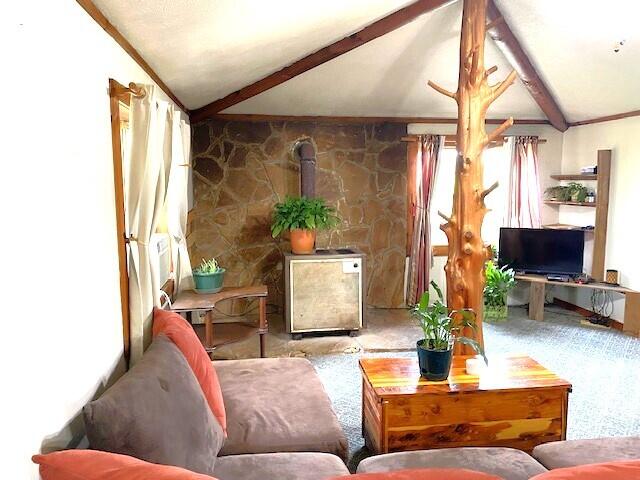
x=542 y=251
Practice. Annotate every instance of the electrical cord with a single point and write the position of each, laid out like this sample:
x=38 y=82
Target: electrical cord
x=602 y=307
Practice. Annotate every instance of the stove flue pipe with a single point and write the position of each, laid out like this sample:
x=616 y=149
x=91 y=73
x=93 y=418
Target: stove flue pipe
x=306 y=153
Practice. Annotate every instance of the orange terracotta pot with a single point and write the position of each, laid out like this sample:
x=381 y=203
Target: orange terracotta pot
x=302 y=241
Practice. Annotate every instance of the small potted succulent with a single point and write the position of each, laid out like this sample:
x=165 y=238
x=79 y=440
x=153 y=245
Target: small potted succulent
x=441 y=329
x=302 y=216
x=499 y=282
x=208 y=276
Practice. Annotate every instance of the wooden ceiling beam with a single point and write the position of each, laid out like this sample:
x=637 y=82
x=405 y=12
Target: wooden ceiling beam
x=507 y=42
x=252 y=117
x=608 y=118
x=381 y=27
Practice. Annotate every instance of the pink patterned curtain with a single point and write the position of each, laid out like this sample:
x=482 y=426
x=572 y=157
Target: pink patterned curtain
x=525 y=198
x=420 y=257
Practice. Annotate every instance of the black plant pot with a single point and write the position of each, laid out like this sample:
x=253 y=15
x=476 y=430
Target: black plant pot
x=434 y=364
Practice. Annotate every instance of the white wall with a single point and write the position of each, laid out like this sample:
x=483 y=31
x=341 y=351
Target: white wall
x=550 y=155
x=580 y=148
x=62 y=337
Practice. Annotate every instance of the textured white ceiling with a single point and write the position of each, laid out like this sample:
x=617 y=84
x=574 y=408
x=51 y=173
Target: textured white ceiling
x=388 y=77
x=206 y=49
x=571 y=44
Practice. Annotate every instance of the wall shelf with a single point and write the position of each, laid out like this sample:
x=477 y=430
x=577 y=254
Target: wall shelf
x=590 y=176
x=565 y=226
x=601 y=206
x=575 y=204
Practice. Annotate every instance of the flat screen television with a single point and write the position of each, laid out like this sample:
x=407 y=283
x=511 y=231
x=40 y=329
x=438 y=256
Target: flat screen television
x=542 y=251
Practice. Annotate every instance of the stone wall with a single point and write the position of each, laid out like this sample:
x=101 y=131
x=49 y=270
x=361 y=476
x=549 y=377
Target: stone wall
x=241 y=169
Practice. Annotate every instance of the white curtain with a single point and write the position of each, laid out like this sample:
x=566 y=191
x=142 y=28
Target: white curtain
x=177 y=204
x=525 y=197
x=150 y=161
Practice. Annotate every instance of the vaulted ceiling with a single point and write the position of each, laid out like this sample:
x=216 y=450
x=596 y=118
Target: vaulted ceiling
x=204 y=50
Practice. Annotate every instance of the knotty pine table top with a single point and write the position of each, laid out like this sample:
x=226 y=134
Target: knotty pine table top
x=401 y=376
x=190 y=300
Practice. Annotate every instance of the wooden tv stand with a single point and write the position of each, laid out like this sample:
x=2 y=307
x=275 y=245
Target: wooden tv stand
x=537 y=297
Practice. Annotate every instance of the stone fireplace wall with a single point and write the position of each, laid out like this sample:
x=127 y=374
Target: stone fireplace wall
x=241 y=169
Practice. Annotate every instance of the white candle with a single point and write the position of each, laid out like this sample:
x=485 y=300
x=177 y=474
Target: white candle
x=474 y=365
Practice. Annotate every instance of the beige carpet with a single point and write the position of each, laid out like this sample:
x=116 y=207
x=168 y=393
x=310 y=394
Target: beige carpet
x=387 y=330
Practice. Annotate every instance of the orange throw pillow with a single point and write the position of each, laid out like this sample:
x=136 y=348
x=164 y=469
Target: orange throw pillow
x=96 y=465
x=627 y=470
x=422 y=474
x=182 y=335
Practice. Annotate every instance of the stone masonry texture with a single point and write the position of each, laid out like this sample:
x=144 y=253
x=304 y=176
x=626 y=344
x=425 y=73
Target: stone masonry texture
x=241 y=169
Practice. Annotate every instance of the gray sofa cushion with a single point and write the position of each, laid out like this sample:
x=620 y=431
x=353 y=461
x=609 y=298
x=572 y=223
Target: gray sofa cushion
x=581 y=452
x=280 y=466
x=158 y=413
x=507 y=463
x=277 y=405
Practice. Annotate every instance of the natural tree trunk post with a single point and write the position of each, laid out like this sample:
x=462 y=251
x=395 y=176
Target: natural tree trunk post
x=467 y=252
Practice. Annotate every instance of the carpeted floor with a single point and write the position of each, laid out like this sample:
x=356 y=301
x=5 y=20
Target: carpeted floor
x=603 y=365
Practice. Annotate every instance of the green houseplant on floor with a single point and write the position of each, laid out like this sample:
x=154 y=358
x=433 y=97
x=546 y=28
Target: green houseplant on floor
x=208 y=276
x=441 y=329
x=499 y=282
x=302 y=216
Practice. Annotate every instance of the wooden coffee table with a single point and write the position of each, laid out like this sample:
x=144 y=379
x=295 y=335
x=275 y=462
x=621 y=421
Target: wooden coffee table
x=515 y=402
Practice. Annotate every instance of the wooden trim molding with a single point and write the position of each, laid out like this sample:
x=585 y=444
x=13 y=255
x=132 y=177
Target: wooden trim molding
x=371 y=32
x=252 y=117
x=108 y=27
x=118 y=95
x=509 y=45
x=608 y=118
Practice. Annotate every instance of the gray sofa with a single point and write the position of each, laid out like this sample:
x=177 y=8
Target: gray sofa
x=509 y=463
x=280 y=423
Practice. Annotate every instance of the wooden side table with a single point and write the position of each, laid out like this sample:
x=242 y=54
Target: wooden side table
x=515 y=402
x=190 y=301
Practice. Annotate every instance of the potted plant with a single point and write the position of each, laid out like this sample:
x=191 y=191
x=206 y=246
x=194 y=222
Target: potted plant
x=578 y=192
x=561 y=193
x=208 y=276
x=302 y=216
x=499 y=281
x=441 y=329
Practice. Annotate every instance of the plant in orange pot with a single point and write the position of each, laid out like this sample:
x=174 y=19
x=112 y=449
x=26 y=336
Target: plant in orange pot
x=302 y=216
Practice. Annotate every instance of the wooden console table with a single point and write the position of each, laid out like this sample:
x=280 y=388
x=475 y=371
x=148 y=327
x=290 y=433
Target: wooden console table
x=537 y=298
x=225 y=333
x=515 y=402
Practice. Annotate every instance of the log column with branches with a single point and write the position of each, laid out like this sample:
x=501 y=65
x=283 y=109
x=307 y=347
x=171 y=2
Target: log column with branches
x=467 y=252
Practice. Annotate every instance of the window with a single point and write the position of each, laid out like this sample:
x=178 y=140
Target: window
x=496 y=168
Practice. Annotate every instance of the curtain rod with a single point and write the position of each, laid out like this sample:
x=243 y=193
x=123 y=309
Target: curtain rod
x=452 y=138
x=133 y=89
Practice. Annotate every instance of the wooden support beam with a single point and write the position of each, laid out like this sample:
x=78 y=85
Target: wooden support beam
x=507 y=42
x=253 y=117
x=371 y=32
x=608 y=118
x=467 y=253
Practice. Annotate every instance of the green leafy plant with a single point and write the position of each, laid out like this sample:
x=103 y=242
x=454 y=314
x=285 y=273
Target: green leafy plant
x=207 y=267
x=499 y=281
x=304 y=213
x=441 y=327
x=564 y=193
x=578 y=191
x=561 y=193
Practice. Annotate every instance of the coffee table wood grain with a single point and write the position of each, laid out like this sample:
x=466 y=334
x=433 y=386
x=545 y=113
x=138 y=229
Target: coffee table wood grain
x=515 y=402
